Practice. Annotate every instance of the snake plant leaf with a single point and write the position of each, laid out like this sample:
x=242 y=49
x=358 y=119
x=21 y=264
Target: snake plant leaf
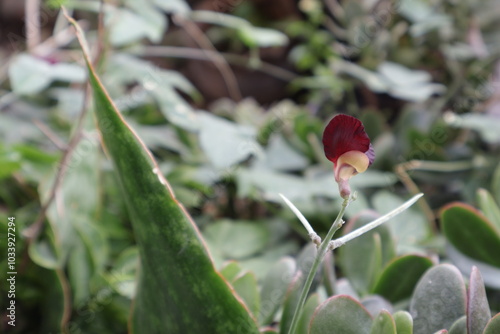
x=471 y=233
x=439 y=299
x=178 y=289
x=493 y=325
x=478 y=309
x=404 y=322
x=383 y=323
x=342 y=314
x=406 y=270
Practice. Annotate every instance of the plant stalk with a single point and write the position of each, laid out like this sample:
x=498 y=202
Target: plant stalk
x=322 y=250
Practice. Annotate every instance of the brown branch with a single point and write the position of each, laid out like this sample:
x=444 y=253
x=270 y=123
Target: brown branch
x=204 y=43
x=32 y=24
x=32 y=232
x=51 y=135
x=402 y=172
x=66 y=289
x=207 y=55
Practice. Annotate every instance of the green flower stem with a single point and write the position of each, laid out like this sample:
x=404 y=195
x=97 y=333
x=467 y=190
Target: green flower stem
x=322 y=250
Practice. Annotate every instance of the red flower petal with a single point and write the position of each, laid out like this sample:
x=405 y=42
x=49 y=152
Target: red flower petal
x=345 y=133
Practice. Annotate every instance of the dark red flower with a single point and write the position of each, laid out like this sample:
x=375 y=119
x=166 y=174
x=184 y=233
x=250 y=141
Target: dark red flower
x=347 y=145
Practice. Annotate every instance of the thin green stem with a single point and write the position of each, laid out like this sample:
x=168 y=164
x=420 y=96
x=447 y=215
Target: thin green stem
x=322 y=250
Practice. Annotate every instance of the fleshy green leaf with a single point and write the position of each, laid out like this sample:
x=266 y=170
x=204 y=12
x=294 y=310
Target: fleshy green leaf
x=439 y=299
x=342 y=314
x=307 y=313
x=489 y=208
x=178 y=290
x=274 y=288
x=493 y=326
x=375 y=304
x=404 y=322
x=383 y=323
x=490 y=274
x=406 y=270
x=460 y=326
x=478 y=309
x=246 y=287
x=231 y=270
x=290 y=303
x=471 y=233
x=361 y=259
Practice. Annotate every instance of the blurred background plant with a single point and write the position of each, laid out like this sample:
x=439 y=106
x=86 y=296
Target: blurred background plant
x=231 y=97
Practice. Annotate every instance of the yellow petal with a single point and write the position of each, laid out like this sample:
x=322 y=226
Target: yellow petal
x=358 y=160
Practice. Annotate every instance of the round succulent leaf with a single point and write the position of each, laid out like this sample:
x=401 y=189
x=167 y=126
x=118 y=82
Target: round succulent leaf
x=383 y=323
x=490 y=274
x=307 y=312
x=375 y=304
x=274 y=287
x=478 y=309
x=404 y=322
x=459 y=326
x=343 y=314
x=471 y=233
x=361 y=259
x=230 y=270
x=493 y=326
x=438 y=300
x=291 y=300
x=406 y=270
x=246 y=287
x=489 y=207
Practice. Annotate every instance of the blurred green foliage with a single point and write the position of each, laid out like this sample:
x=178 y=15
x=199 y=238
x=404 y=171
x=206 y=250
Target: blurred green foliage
x=421 y=75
